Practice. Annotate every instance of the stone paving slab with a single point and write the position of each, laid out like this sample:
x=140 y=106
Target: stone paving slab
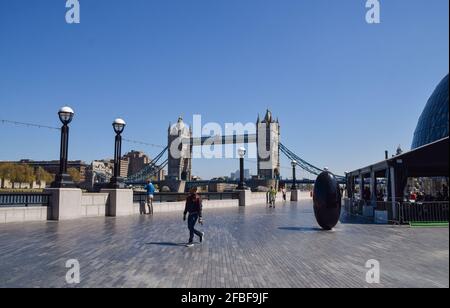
x=245 y=247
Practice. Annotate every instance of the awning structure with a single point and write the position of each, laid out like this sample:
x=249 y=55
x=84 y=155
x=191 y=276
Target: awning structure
x=431 y=160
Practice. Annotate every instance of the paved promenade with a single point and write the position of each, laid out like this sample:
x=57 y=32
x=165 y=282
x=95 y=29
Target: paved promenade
x=247 y=247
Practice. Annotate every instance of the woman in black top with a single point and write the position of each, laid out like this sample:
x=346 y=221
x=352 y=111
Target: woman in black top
x=194 y=208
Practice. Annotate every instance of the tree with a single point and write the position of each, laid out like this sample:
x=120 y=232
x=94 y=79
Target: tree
x=24 y=174
x=20 y=173
x=42 y=175
x=6 y=171
x=74 y=174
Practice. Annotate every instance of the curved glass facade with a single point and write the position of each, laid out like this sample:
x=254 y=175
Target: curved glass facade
x=433 y=123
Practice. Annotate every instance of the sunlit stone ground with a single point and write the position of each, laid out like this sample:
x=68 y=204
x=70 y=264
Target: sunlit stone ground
x=247 y=247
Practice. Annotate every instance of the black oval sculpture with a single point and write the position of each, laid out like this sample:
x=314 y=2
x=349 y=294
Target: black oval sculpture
x=327 y=200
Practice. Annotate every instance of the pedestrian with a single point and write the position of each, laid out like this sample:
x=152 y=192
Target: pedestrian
x=272 y=196
x=194 y=208
x=283 y=190
x=150 y=188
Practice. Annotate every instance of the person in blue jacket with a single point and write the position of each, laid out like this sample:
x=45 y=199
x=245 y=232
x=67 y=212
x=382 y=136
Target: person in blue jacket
x=150 y=188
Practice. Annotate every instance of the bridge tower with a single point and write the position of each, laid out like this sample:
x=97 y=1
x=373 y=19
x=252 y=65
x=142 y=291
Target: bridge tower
x=180 y=154
x=268 y=140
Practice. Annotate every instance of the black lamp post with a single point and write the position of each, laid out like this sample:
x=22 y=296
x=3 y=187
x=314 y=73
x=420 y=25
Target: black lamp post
x=241 y=153
x=116 y=180
x=63 y=180
x=294 y=179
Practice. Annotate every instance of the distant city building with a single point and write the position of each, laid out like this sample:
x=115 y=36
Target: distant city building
x=7 y=184
x=137 y=160
x=237 y=175
x=99 y=172
x=109 y=164
x=433 y=123
x=221 y=187
x=53 y=166
x=161 y=175
x=124 y=165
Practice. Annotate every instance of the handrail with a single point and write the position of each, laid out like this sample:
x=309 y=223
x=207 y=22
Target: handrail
x=24 y=199
x=141 y=196
x=428 y=211
x=402 y=212
x=356 y=208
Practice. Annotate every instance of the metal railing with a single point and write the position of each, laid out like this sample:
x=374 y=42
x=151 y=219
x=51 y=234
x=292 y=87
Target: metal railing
x=24 y=199
x=402 y=212
x=410 y=212
x=354 y=206
x=358 y=207
x=139 y=196
x=390 y=207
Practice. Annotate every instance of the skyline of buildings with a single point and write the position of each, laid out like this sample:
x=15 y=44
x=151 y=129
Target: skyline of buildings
x=237 y=175
x=131 y=163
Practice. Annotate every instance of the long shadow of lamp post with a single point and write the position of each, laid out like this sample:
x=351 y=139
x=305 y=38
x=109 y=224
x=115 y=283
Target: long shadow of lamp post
x=116 y=180
x=63 y=179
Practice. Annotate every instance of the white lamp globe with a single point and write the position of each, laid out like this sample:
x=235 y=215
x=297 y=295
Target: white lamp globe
x=119 y=125
x=241 y=152
x=66 y=115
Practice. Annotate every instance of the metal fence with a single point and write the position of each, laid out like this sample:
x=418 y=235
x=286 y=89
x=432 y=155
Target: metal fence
x=423 y=212
x=354 y=206
x=402 y=212
x=357 y=206
x=24 y=199
x=139 y=197
x=390 y=207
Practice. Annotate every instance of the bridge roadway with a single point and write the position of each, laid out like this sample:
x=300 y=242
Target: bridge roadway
x=207 y=182
x=245 y=247
x=217 y=140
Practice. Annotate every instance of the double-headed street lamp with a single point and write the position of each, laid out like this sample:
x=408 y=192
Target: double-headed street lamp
x=241 y=152
x=294 y=179
x=63 y=180
x=116 y=180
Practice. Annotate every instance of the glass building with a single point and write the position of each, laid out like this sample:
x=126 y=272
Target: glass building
x=433 y=123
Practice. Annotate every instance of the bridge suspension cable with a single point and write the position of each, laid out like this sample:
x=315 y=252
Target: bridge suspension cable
x=302 y=163
x=4 y=122
x=150 y=169
x=144 y=176
x=255 y=161
x=144 y=143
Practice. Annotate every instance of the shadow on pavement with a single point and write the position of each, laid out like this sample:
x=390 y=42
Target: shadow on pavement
x=167 y=244
x=301 y=229
x=355 y=220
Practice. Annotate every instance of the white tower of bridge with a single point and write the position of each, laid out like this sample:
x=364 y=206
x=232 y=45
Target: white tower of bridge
x=180 y=144
x=268 y=140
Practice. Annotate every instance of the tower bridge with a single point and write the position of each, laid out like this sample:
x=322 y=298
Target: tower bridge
x=180 y=143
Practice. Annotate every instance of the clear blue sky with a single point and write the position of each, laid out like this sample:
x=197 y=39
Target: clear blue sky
x=344 y=90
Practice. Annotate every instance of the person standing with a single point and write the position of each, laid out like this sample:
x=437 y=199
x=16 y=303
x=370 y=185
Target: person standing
x=150 y=188
x=272 y=196
x=194 y=208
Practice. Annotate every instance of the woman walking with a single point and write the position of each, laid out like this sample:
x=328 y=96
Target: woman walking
x=194 y=208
